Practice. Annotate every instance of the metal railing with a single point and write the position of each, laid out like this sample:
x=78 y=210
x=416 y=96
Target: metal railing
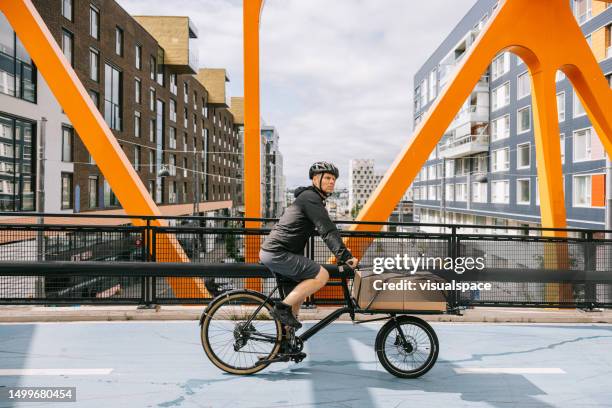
x=67 y=263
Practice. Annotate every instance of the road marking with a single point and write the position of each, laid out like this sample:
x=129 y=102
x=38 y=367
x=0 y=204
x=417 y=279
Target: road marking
x=54 y=371
x=509 y=370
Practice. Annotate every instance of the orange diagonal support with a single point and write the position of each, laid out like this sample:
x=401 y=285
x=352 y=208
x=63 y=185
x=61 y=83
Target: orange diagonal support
x=546 y=36
x=93 y=131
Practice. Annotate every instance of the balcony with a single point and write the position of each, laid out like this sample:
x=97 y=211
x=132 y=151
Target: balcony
x=470 y=114
x=174 y=35
x=464 y=146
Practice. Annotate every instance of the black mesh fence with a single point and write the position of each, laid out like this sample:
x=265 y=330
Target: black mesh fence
x=222 y=241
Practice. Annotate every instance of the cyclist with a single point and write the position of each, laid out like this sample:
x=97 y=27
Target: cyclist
x=282 y=250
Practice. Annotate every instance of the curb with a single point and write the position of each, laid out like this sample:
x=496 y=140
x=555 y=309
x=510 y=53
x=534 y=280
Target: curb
x=30 y=314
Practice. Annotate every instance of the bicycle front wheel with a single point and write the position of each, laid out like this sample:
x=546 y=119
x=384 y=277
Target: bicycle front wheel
x=407 y=347
x=235 y=338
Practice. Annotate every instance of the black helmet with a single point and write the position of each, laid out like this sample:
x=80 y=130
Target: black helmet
x=323 y=167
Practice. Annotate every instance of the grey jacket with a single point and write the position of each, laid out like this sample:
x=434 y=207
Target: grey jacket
x=299 y=222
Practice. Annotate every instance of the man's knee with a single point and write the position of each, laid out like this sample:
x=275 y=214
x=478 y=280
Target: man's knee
x=323 y=276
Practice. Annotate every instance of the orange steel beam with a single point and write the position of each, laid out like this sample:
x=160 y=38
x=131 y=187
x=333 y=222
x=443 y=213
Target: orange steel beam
x=94 y=132
x=547 y=37
x=252 y=133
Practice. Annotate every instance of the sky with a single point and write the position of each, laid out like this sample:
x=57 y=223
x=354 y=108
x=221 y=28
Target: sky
x=336 y=75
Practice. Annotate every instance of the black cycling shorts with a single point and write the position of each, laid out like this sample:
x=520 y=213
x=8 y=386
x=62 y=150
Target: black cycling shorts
x=290 y=265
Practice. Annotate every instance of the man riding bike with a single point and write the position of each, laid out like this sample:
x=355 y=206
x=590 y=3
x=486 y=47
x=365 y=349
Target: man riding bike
x=283 y=249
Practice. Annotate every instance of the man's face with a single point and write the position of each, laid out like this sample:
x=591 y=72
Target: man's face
x=327 y=180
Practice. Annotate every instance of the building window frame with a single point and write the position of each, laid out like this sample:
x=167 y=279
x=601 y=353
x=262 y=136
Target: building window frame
x=119 y=39
x=94 y=64
x=67 y=190
x=518 y=191
x=520 y=94
x=94 y=22
x=519 y=129
x=93 y=193
x=518 y=155
x=67 y=144
x=68 y=9
x=68 y=41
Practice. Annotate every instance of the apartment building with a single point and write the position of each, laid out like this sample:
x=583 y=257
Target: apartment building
x=362 y=182
x=483 y=171
x=169 y=115
x=272 y=177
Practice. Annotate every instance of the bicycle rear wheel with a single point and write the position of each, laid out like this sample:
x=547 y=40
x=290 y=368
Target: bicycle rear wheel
x=233 y=345
x=407 y=347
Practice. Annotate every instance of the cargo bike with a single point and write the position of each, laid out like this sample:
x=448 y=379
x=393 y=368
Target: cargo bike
x=240 y=336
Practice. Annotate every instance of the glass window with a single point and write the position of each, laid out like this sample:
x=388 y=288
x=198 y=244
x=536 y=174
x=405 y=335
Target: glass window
x=16 y=164
x=433 y=85
x=500 y=128
x=523 y=85
x=172 y=165
x=173 y=110
x=185 y=118
x=587 y=145
x=152 y=68
x=172 y=137
x=578 y=108
x=160 y=69
x=173 y=84
x=67 y=201
x=461 y=192
x=151 y=161
x=137 y=124
x=500 y=65
x=118 y=41
x=582 y=145
x=94 y=22
x=523 y=155
x=68 y=45
x=95 y=97
x=152 y=99
x=137 y=158
x=501 y=96
x=93 y=191
x=94 y=65
x=113 y=97
x=523 y=191
x=17 y=72
x=501 y=159
x=185 y=92
x=524 y=119
x=582 y=191
x=67 y=142
x=138 y=56
x=137 y=90
x=582 y=10
x=500 y=192
x=152 y=127
x=479 y=192
x=562 y=141
x=67 y=9
x=109 y=196
x=561 y=106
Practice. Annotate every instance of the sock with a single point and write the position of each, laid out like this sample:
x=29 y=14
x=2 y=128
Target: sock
x=283 y=305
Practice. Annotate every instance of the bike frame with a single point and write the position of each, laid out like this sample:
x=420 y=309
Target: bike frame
x=350 y=308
